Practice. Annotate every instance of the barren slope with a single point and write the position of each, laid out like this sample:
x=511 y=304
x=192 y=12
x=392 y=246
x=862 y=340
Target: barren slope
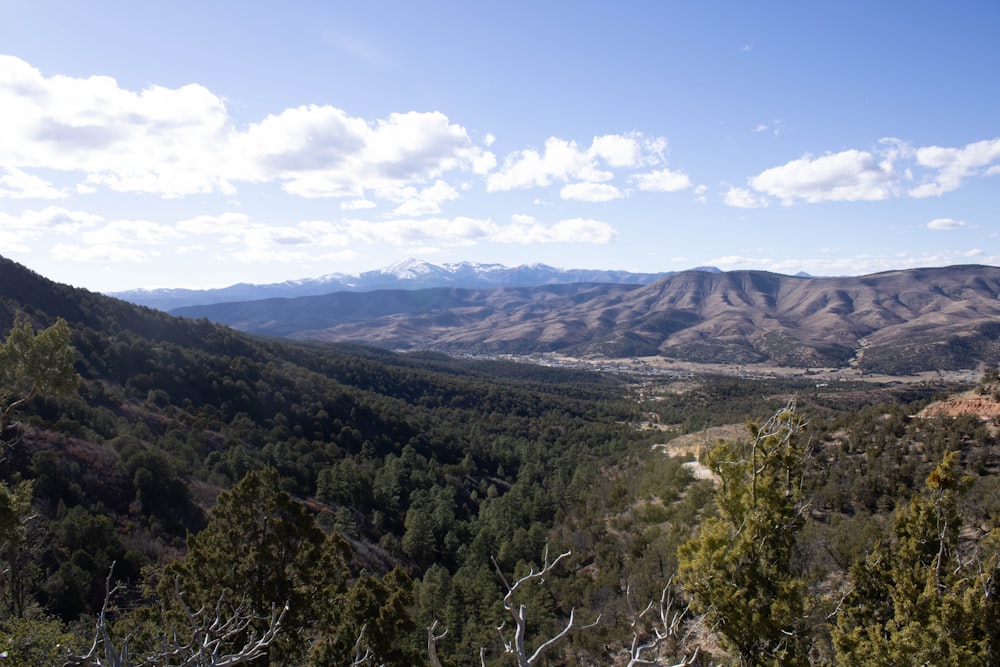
x=900 y=321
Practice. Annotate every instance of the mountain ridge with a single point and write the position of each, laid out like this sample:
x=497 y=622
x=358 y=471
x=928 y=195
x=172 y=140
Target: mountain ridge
x=900 y=321
x=409 y=273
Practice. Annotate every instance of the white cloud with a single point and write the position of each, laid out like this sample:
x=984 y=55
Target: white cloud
x=17 y=184
x=850 y=175
x=357 y=205
x=662 y=180
x=526 y=230
x=158 y=140
x=628 y=150
x=102 y=253
x=855 y=175
x=403 y=231
x=11 y=241
x=872 y=175
x=93 y=238
x=953 y=165
x=744 y=198
x=466 y=231
x=318 y=151
x=739 y=261
x=225 y=223
x=566 y=161
x=862 y=264
x=700 y=194
x=424 y=202
x=51 y=219
x=181 y=141
x=592 y=192
x=774 y=128
x=131 y=232
x=945 y=224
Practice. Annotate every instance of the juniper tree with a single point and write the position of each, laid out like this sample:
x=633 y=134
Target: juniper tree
x=923 y=597
x=739 y=568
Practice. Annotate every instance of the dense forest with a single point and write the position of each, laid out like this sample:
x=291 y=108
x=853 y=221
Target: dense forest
x=178 y=493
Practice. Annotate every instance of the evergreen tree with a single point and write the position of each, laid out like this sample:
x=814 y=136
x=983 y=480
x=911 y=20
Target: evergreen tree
x=919 y=599
x=739 y=566
x=262 y=550
x=34 y=364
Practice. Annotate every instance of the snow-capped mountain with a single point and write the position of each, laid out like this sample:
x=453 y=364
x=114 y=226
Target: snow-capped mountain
x=406 y=274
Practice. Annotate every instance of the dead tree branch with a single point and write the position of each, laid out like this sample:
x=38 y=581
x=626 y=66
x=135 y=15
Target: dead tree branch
x=211 y=633
x=666 y=627
x=432 y=640
x=519 y=614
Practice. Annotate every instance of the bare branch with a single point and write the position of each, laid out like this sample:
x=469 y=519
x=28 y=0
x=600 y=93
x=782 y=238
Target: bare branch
x=207 y=646
x=432 y=640
x=519 y=613
x=669 y=626
x=570 y=626
x=360 y=657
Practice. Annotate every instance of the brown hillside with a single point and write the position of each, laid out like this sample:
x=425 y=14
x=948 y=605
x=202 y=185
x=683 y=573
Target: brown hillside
x=896 y=322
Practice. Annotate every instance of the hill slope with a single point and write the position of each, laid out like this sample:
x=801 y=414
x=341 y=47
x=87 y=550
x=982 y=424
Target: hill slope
x=171 y=410
x=898 y=322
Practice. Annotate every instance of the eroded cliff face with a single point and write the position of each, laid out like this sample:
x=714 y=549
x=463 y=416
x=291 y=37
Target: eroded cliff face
x=973 y=402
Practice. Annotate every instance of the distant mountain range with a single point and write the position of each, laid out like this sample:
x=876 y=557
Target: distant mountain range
x=407 y=274
x=894 y=322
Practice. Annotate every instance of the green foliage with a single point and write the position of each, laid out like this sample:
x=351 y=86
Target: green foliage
x=739 y=567
x=18 y=567
x=920 y=600
x=33 y=365
x=262 y=550
x=374 y=619
x=32 y=642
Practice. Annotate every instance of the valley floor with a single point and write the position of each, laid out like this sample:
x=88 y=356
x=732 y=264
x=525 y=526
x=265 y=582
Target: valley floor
x=673 y=368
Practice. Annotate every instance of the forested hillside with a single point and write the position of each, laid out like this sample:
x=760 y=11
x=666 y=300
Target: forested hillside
x=203 y=492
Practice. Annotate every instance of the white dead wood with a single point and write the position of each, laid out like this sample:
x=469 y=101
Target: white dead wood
x=211 y=634
x=667 y=626
x=432 y=640
x=519 y=615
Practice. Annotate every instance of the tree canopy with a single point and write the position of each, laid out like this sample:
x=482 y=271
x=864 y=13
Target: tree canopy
x=33 y=364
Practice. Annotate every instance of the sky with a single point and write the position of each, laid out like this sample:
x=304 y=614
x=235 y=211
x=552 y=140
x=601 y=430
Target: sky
x=202 y=144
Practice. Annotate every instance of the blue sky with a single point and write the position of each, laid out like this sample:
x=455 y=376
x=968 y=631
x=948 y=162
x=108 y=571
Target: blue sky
x=201 y=144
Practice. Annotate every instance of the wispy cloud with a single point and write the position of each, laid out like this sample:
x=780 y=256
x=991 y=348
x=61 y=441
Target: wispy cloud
x=17 y=184
x=744 y=198
x=859 y=264
x=954 y=165
x=945 y=224
x=662 y=180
